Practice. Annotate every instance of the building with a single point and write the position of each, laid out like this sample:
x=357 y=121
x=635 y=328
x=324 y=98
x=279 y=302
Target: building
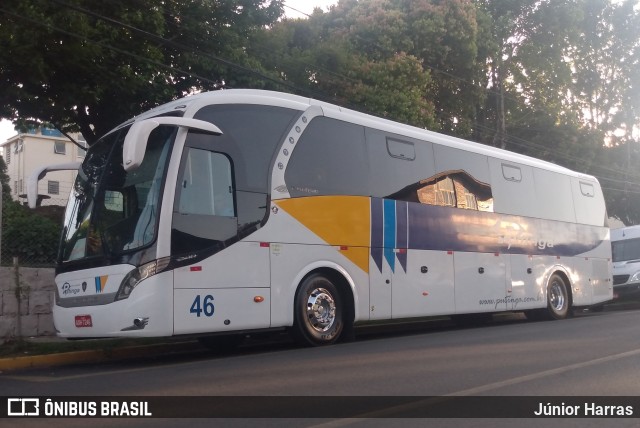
x=26 y=152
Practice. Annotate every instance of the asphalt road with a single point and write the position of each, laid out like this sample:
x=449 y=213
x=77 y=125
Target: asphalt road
x=592 y=354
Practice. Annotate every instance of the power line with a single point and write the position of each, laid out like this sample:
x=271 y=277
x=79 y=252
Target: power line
x=107 y=46
x=296 y=10
x=182 y=47
x=634 y=192
x=510 y=138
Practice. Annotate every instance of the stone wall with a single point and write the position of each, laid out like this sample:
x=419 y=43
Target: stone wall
x=34 y=311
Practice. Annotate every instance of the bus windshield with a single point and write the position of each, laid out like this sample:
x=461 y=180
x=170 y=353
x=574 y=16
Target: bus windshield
x=626 y=250
x=112 y=211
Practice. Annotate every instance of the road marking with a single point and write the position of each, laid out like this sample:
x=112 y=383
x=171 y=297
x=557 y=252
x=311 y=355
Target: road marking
x=395 y=410
x=539 y=375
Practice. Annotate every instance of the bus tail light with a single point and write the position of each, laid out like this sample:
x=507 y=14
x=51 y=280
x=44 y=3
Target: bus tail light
x=133 y=278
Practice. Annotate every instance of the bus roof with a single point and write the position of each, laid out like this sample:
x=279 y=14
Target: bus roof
x=191 y=104
x=629 y=232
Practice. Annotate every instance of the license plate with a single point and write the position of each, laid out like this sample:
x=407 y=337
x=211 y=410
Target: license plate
x=83 y=321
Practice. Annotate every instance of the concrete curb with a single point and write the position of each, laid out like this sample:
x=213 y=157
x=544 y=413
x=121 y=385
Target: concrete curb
x=95 y=356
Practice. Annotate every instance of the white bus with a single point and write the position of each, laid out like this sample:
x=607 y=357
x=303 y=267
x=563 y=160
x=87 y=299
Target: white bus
x=625 y=246
x=242 y=210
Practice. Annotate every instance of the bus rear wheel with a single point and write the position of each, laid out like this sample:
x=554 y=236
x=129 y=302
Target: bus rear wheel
x=558 y=301
x=557 y=297
x=318 y=312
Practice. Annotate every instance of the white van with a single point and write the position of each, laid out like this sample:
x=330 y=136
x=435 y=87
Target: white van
x=625 y=246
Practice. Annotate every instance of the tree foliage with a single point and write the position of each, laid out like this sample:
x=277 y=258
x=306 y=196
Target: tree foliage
x=29 y=236
x=4 y=181
x=87 y=66
x=32 y=236
x=555 y=79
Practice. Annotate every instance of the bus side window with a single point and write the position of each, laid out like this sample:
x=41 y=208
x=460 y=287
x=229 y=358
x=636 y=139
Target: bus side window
x=329 y=159
x=206 y=185
x=455 y=189
x=204 y=214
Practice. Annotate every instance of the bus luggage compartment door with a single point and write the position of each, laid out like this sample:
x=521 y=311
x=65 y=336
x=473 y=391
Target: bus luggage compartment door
x=480 y=282
x=204 y=310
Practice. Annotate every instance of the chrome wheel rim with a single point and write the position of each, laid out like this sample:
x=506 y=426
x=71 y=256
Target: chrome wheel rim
x=556 y=296
x=321 y=310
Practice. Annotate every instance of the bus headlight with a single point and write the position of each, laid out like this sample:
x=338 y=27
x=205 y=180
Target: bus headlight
x=635 y=277
x=133 y=278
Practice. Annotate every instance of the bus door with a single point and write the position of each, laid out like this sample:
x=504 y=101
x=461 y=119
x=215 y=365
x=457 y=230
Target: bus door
x=222 y=277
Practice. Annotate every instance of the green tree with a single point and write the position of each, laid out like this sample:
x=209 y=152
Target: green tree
x=443 y=36
x=30 y=237
x=605 y=94
x=316 y=58
x=529 y=74
x=412 y=61
x=87 y=66
x=607 y=87
x=4 y=181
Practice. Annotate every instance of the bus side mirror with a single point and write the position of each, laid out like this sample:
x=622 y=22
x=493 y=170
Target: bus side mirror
x=135 y=143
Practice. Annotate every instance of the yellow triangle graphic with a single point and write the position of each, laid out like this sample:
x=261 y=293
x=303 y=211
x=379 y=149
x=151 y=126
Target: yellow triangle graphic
x=338 y=220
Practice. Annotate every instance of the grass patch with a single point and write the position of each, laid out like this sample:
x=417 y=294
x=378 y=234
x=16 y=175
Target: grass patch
x=23 y=348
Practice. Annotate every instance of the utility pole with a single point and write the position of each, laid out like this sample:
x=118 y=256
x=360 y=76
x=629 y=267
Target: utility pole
x=1 y=207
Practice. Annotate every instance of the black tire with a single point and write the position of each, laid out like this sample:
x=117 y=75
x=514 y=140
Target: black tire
x=318 y=312
x=558 y=301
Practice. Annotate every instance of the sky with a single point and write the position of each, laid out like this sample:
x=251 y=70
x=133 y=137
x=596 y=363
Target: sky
x=304 y=6
x=6 y=130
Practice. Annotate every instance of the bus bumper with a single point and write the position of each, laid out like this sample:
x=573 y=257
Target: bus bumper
x=148 y=312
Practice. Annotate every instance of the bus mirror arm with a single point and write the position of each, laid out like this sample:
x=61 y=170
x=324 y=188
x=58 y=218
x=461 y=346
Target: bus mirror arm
x=38 y=174
x=135 y=143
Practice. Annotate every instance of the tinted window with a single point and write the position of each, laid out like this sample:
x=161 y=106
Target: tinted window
x=330 y=159
x=206 y=184
x=553 y=195
x=111 y=210
x=397 y=162
x=513 y=188
x=626 y=250
x=588 y=202
x=251 y=135
x=449 y=189
x=204 y=211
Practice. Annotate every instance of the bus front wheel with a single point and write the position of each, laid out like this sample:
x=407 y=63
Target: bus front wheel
x=318 y=312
